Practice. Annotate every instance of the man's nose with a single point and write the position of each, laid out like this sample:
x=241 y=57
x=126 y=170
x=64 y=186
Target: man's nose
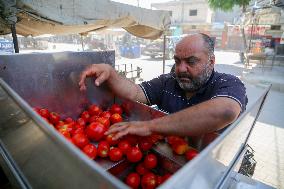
x=182 y=67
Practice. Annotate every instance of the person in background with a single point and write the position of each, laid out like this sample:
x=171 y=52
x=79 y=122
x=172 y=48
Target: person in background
x=199 y=100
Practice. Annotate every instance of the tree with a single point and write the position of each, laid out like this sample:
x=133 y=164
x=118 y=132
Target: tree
x=227 y=5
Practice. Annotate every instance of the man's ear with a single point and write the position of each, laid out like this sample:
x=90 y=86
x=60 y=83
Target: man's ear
x=212 y=60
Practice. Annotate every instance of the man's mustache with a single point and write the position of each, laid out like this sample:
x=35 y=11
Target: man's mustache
x=184 y=75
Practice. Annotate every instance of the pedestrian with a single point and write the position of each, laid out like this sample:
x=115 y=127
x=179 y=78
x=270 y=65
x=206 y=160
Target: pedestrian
x=198 y=99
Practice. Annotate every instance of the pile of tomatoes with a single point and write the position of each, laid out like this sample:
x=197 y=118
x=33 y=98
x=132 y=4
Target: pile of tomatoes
x=88 y=129
x=87 y=133
x=180 y=147
x=145 y=174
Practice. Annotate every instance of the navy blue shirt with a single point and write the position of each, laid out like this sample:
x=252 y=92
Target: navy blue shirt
x=166 y=93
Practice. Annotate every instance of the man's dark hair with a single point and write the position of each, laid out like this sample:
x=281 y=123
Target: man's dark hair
x=209 y=43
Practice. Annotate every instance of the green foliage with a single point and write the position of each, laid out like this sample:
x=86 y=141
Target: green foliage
x=227 y=5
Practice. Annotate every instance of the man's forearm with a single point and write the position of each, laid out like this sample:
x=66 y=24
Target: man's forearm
x=203 y=118
x=125 y=88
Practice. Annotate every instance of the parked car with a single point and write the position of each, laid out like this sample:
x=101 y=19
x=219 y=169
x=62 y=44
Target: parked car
x=155 y=48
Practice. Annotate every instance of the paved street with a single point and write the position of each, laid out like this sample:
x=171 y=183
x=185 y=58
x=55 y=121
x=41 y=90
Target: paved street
x=267 y=138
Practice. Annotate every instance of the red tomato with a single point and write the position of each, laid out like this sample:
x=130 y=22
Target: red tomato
x=64 y=133
x=103 y=121
x=93 y=118
x=95 y=131
x=90 y=150
x=149 y=181
x=166 y=177
x=54 y=117
x=115 y=118
x=67 y=126
x=109 y=139
x=172 y=140
x=85 y=115
x=80 y=140
x=150 y=161
x=70 y=140
x=190 y=154
x=132 y=139
x=59 y=124
x=69 y=120
x=133 y=180
x=115 y=154
x=116 y=109
x=105 y=114
x=141 y=170
x=44 y=113
x=180 y=147
x=159 y=180
x=155 y=138
x=134 y=154
x=103 y=149
x=124 y=146
x=145 y=144
x=94 y=110
x=81 y=122
x=77 y=126
x=78 y=130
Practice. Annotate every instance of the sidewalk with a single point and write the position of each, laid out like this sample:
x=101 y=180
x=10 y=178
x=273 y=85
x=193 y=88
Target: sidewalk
x=260 y=75
x=267 y=138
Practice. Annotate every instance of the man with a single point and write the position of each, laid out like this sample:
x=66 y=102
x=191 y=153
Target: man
x=198 y=99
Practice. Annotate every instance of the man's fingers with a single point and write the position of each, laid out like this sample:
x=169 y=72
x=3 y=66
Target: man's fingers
x=82 y=84
x=120 y=134
x=116 y=128
x=101 y=78
x=90 y=71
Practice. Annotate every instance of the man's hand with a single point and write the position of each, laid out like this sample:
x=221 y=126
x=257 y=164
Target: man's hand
x=102 y=72
x=121 y=86
x=140 y=128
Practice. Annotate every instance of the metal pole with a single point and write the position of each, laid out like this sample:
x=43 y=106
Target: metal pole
x=250 y=38
x=82 y=42
x=15 y=40
x=164 y=54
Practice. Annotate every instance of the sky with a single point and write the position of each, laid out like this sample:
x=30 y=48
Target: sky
x=142 y=3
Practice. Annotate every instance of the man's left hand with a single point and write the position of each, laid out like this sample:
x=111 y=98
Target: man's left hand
x=140 y=128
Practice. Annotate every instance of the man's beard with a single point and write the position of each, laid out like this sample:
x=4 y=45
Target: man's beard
x=193 y=84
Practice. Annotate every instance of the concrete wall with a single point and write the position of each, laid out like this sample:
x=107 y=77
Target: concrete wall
x=180 y=11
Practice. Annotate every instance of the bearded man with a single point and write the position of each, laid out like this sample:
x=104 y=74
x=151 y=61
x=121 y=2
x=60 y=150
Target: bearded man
x=198 y=99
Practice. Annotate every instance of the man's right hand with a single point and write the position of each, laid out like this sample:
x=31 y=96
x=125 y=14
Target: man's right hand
x=121 y=86
x=102 y=72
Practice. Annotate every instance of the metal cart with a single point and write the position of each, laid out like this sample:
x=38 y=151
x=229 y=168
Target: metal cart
x=35 y=155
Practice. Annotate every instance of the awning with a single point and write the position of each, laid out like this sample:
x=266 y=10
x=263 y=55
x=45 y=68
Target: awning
x=39 y=17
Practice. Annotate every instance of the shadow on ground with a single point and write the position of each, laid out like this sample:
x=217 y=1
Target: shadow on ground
x=229 y=69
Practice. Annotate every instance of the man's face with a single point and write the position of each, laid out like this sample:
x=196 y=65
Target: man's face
x=193 y=66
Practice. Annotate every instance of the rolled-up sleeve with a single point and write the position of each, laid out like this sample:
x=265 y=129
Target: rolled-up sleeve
x=231 y=87
x=153 y=89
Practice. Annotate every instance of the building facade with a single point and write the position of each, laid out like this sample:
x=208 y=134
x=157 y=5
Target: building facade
x=193 y=16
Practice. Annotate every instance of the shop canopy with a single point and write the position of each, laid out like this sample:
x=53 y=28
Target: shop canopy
x=37 y=17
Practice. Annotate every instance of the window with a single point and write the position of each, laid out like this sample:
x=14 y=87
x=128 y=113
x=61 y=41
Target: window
x=193 y=12
x=275 y=27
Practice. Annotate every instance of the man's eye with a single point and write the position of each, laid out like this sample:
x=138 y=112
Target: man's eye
x=191 y=61
x=177 y=61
